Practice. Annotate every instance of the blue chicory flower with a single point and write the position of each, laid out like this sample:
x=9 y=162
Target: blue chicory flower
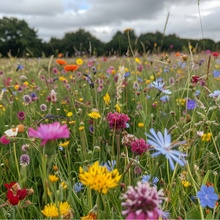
x=162 y=144
x=78 y=187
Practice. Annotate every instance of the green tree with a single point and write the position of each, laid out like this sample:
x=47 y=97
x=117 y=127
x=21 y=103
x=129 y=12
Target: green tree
x=18 y=38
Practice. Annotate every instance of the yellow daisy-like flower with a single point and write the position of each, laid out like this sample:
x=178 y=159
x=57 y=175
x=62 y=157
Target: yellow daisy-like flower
x=107 y=99
x=207 y=137
x=25 y=83
x=51 y=211
x=16 y=87
x=80 y=99
x=141 y=125
x=118 y=108
x=94 y=114
x=186 y=183
x=99 y=178
x=64 y=144
x=53 y=178
x=69 y=114
x=79 y=61
x=63 y=185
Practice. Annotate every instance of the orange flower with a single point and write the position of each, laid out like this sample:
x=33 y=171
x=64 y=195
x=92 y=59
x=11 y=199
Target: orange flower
x=72 y=67
x=60 y=55
x=61 y=62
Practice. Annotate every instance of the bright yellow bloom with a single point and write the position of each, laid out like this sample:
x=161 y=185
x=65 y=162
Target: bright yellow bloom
x=69 y=114
x=141 y=125
x=137 y=60
x=80 y=99
x=53 y=178
x=152 y=77
x=148 y=81
x=99 y=178
x=81 y=128
x=26 y=83
x=16 y=87
x=94 y=114
x=72 y=122
x=64 y=144
x=107 y=99
x=206 y=137
x=180 y=101
x=63 y=185
x=186 y=183
x=50 y=210
x=118 y=108
x=79 y=61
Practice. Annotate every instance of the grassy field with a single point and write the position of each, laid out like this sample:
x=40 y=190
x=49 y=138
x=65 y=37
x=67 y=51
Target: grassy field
x=110 y=138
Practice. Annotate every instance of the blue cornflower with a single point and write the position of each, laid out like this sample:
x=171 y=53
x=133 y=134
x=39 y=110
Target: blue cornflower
x=164 y=98
x=162 y=144
x=191 y=104
x=110 y=165
x=159 y=86
x=216 y=93
x=197 y=93
x=127 y=74
x=19 y=67
x=78 y=187
x=146 y=178
x=216 y=73
x=207 y=196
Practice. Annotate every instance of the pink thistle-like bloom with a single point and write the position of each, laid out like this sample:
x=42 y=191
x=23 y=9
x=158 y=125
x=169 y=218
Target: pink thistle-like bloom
x=139 y=146
x=117 y=121
x=4 y=140
x=47 y=132
x=142 y=202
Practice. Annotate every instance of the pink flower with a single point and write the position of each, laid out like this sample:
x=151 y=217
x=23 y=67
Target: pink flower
x=47 y=132
x=142 y=202
x=117 y=121
x=4 y=140
x=139 y=146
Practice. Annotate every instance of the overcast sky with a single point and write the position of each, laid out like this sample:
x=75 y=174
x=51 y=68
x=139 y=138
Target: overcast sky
x=102 y=18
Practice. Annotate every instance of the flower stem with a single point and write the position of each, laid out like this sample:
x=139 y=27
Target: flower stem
x=16 y=162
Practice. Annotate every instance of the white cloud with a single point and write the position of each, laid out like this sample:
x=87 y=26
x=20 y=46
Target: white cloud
x=53 y=18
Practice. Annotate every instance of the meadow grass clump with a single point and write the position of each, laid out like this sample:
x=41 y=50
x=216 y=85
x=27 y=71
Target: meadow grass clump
x=126 y=137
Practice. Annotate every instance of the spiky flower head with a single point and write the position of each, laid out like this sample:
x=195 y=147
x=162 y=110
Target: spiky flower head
x=99 y=177
x=142 y=202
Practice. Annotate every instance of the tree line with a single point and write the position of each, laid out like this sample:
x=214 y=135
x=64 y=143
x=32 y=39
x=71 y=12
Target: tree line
x=18 y=39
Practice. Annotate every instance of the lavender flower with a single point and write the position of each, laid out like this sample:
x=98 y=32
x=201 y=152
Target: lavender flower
x=142 y=202
x=162 y=144
x=191 y=104
x=207 y=196
x=78 y=187
x=24 y=160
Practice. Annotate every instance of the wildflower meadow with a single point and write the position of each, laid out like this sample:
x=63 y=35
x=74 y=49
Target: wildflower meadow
x=131 y=137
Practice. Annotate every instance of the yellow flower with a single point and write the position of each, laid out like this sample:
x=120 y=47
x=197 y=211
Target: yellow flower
x=79 y=61
x=148 y=81
x=16 y=87
x=69 y=114
x=118 y=108
x=137 y=60
x=152 y=77
x=186 y=183
x=64 y=144
x=72 y=122
x=80 y=99
x=26 y=83
x=50 y=210
x=206 y=137
x=81 y=128
x=94 y=114
x=141 y=125
x=107 y=99
x=99 y=178
x=53 y=178
x=63 y=185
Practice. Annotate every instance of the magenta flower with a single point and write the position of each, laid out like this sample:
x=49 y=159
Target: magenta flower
x=142 y=202
x=139 y=146
x=117 y=121
x=47 y=132
x=4 y=140
x=21 y=115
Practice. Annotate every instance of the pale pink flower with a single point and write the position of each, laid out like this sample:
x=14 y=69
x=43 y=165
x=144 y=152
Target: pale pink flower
x=47 y=132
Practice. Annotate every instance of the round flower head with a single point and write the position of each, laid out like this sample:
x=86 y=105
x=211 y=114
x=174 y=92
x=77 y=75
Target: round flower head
x=47 y=132
x=142 y=202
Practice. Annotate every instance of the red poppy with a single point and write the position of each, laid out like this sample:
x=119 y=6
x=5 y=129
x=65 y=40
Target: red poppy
x=15 y=193
x=61 y=62
x=72 y=67
x=215 y=54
